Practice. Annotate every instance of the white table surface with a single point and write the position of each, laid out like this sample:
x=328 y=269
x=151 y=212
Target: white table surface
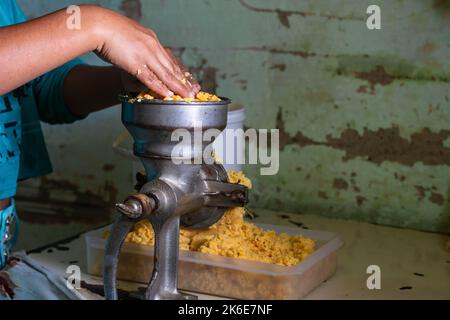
x=414 y=265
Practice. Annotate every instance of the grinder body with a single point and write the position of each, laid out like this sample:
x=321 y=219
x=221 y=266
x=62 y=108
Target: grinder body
x=177 y=188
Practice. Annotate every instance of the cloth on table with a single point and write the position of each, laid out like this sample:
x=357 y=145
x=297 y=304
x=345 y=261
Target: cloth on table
x=9 y=230
x=25 y=279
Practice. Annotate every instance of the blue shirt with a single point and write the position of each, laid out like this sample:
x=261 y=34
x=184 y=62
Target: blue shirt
x=23 y=153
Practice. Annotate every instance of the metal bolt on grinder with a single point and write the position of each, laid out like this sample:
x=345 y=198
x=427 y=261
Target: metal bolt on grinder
x=170 y=194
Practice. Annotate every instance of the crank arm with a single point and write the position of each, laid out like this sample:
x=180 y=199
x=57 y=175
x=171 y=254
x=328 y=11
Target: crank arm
x=227 y=195
x=117 y=237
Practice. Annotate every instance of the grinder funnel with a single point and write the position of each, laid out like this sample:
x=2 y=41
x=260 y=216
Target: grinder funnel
x=152 y=123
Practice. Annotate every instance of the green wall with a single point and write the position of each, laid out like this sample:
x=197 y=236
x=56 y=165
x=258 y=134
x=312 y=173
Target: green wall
x=364 y=116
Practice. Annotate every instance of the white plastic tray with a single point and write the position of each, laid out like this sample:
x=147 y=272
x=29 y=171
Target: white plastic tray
x=228 y=277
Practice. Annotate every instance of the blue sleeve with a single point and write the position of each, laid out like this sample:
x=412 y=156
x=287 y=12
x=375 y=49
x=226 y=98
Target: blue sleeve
x=18 y=14
x=49 y=92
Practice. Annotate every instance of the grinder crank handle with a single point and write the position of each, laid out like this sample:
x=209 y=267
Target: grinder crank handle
x=117 y=237
x=223 y=194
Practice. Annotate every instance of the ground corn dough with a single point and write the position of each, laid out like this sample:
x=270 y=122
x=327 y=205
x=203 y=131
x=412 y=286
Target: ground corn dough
x=233 y=237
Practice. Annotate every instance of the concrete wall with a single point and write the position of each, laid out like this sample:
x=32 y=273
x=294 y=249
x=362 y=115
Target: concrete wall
x=364 y=115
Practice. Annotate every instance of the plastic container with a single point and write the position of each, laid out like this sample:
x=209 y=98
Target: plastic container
x=228 y=277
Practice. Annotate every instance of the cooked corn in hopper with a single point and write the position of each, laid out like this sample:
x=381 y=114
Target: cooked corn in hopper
x=200 y=97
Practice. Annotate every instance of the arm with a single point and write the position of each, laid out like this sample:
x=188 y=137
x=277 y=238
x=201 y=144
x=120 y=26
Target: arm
x=33 y=48
x=88 y=88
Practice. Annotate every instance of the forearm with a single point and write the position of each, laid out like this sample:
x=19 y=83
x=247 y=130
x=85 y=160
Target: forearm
x=33 y=48
x=89 y=88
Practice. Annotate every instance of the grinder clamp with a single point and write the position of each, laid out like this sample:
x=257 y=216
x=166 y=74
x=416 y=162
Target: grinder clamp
x=170 y=194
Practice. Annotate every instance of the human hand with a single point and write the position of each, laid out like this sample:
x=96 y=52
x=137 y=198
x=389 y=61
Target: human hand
x=132 y=84
x=137 y=50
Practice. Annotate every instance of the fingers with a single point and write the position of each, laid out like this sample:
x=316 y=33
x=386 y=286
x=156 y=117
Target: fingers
x=151 y=81
x=173 y=67
x=176 y=60
x=167 y=70
x=196 y=86
x=170 y=63
x=167 y=77
x=161 y=71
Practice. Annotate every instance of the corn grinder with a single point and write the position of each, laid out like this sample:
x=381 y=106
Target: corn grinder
x=173 y=192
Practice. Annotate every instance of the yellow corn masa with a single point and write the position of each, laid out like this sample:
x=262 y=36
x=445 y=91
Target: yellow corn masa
x=233 y=237
x=238 y=177
x=201 y=97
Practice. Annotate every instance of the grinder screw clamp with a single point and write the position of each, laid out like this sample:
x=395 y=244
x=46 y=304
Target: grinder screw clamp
x=137 y=206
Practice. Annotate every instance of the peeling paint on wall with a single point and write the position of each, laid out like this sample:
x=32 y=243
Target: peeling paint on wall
x=340 y=184
x=283 y=15
x=363 y=115
x=379 y=146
